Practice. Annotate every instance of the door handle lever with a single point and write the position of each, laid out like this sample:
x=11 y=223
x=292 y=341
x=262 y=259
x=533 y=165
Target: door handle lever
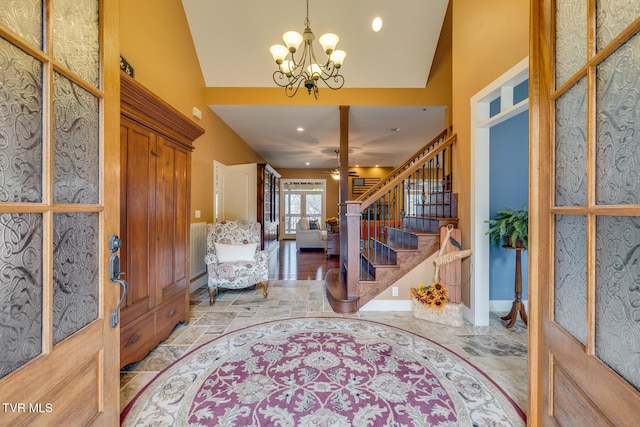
x=115 y=314
x=114 y=275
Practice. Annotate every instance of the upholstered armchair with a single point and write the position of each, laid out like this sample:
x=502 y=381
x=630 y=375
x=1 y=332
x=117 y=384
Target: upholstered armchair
x=306 y=237
x=234 y=259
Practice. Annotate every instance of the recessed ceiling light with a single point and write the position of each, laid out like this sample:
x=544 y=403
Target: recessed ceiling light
x=300 y=129
x=376 y=25
x=395 y=129
x=307 y=163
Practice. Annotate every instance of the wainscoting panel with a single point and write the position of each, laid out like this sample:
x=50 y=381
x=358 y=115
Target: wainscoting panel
x=198 y=248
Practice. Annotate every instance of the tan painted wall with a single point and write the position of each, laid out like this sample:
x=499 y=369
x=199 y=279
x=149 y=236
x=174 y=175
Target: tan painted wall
x=489 y=37
x=155 y=39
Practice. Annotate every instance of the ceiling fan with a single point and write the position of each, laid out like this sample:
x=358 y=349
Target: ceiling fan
x=335 y=173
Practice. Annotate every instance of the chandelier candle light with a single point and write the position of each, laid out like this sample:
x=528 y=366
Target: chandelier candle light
x=292 y=73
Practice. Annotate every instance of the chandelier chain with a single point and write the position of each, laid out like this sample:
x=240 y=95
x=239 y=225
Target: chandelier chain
x=307 y=23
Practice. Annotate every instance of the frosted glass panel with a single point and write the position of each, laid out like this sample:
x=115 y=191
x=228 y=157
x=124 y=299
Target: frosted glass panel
x=20 y=290
x=76 y=37
x=20 y=126
x=570 y=275
x=613 y=16
x=571 y=38
x=618 y=295
x=23 y=17
x=571 y=146
x=76 y=143
x=618 y=126
x=75 y=272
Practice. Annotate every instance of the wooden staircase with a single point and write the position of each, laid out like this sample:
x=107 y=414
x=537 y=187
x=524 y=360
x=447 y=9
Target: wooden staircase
x=408 y=232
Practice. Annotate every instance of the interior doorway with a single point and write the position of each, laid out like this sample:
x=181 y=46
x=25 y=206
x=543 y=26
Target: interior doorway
x=482 y=120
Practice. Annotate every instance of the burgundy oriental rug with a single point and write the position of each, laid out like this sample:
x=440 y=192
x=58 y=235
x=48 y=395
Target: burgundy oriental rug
x=322 y=372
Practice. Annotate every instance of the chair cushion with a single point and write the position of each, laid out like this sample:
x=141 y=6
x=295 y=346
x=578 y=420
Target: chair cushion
x=236 y=253
x=303 y=224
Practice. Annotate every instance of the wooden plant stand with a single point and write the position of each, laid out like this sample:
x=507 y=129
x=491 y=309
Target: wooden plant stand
x=518 y=306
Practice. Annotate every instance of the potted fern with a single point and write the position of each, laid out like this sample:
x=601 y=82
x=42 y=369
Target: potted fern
x=509 y=228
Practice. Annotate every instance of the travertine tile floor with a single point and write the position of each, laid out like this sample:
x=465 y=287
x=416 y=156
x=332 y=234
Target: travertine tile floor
x=499 y=352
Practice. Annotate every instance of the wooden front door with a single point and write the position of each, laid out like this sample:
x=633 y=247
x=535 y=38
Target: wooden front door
x=59 y=110
x=584 y=274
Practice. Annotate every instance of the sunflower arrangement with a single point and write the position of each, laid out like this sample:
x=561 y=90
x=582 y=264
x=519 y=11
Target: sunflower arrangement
x=434 y=295
x=332 y=221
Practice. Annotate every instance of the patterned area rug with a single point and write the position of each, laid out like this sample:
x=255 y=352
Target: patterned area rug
x=322 y=372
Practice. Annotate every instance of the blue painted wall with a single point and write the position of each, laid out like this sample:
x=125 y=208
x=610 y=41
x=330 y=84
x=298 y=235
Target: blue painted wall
x=509 y=177
x=520 y=93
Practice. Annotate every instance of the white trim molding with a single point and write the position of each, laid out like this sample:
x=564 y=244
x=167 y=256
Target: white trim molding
x=481 y=123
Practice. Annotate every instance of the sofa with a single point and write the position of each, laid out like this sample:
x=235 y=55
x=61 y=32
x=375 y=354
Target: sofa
x=310 y=237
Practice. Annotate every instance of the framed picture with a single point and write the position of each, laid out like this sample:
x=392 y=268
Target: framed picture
x=361 y=185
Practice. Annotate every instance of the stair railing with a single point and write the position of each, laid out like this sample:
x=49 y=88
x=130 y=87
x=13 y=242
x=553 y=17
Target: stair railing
x=388 y=216
x=415 y=157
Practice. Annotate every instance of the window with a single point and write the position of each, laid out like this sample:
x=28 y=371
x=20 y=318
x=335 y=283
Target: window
x=302 y=198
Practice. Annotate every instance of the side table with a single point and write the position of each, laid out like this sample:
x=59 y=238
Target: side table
x=333 y=244
x=518 y=306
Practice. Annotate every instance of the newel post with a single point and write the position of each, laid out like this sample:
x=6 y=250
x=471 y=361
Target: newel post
x=353 y=248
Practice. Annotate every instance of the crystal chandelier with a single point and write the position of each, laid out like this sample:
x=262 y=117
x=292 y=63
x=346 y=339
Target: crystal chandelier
x=293 y=73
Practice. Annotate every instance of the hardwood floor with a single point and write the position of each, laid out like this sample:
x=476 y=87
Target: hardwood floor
x=288 y=263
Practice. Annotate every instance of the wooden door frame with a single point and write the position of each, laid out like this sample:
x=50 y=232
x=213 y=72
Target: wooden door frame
x=538 y=117
x=111 y=292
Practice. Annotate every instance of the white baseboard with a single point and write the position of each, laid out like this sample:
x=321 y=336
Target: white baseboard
x=198 y=283
x=505 y=305
x=407 y=305
x=388 y=305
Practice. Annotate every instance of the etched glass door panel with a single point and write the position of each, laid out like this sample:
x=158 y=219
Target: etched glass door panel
x=57 y=208
x=570 y=38
x=612 y=17
x=585 y=217
x=76 y=150
x=20 y=126
x=75 y=272
x=76 y=32
x=20 y=290
x=618 y=126
x=570 y=279
x=571 y=146
x=24 y=18
x=617 y=317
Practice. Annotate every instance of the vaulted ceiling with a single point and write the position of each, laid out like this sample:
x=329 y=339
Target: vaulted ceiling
x=232 y=40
